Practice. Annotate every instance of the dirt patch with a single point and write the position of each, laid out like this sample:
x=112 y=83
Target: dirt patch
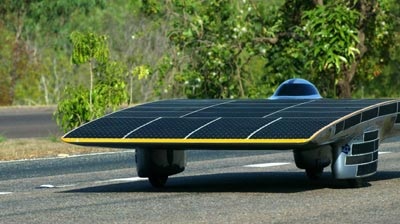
x=31 y=148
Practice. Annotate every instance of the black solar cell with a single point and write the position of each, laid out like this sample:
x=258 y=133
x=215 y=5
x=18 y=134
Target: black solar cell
x=108 y=128
x=288 y=128
x=144 y=114
x=231 y=128
x=170 y=128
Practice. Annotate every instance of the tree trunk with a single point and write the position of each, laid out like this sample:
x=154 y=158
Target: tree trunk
x=319 y=2
x=91 y=67
x=344 y=85
x=343 y=88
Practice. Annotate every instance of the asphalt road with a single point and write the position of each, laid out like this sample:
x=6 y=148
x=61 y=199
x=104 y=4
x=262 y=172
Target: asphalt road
x=216 y=187
x=28 y=122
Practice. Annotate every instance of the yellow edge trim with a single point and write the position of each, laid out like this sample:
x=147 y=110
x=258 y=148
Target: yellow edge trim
x=186 y=141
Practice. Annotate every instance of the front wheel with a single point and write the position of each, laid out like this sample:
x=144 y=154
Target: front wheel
x=356 y=183
x=158 y=181
x=314 y=173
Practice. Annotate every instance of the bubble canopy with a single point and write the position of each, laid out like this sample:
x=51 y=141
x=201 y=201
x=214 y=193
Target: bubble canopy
x=296 y=89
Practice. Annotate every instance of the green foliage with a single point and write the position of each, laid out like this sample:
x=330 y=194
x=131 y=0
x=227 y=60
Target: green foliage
x=53 y=138
x=196 y=49
x=110 y=87
x=151 y=7
x=332 y=33
x=37 y=36
x=2 y=138
x=165 y=69
x=141 y=72
x=88 y=47
x=107 y=91
x=330 y=44
x=74 y=109
x=380 y=65
x=91 y=48
x=218 y=38
x=339 y=45
x=6 y=64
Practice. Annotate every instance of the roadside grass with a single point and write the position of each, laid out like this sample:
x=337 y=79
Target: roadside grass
x=33 y=148
x=44 y=147
x=2 y=138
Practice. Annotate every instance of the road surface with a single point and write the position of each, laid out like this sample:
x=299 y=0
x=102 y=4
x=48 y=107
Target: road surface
x=216 y=187
x=241 y=187
x=28 y=122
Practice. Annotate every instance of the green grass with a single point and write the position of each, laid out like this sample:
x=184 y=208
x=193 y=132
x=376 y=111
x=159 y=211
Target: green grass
x=53 y=138
x=2 y=138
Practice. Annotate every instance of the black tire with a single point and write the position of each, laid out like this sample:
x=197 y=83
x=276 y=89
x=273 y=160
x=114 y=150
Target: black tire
x=356 y=183
x=158 y=181
x=314 y=173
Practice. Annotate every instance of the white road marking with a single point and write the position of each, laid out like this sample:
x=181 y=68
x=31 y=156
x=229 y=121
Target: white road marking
x=56 y=186
x=129 y=179
x=380 y=153
x=66 y=185
x=46 y=186
x=134 y=179
x=263 y=165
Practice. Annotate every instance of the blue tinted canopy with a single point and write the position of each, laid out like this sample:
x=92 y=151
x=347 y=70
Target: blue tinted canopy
x=296 y=89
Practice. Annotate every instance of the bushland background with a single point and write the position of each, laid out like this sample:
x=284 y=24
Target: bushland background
x=89 y=57
x=214 y=48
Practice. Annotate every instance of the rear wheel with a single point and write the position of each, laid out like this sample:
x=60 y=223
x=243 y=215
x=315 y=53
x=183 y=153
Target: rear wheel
x=158 y=181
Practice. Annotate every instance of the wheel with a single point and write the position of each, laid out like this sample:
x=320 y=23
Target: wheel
x=158 y=181
x=314 y=173
x=356 y=183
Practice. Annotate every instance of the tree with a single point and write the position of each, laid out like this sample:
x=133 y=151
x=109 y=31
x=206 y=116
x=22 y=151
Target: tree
x=203 y=49
x=37 y=33
x=331 y=40
x=16 y=51
x=89 y=48
x=74 y=109
x=335 y=43
x=218 y=40
x=107 y=89
x=108 y=94
x=380 y=64
x=139 y=73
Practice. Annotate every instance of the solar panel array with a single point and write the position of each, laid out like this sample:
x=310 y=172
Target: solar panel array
x=231 y=119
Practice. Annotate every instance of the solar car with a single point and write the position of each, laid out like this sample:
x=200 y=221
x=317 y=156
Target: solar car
x=344 y=134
